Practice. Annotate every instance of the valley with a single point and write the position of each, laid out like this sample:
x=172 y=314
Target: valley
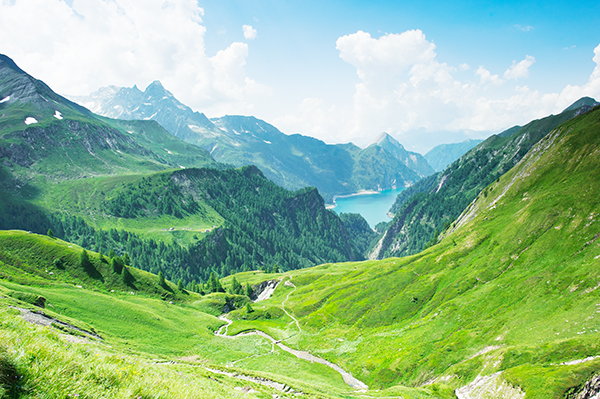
x=136 y=263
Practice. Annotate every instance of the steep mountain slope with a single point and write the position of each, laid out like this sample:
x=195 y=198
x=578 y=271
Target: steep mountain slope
x=293 y=161
x=42 y=133
x=428 y=207
x=508 y=298
x=443 y=155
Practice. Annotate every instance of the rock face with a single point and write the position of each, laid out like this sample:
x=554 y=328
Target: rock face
x=489 y=387
x=590 y=390
x=155 y=103
x=264 y=290
x=32 y=94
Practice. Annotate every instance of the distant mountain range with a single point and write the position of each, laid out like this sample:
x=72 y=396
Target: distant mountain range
x=443 y=155
x=293 y=161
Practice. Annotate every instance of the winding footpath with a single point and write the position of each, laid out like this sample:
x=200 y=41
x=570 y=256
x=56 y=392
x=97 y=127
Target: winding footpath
x=290 y=284
x=348 y=378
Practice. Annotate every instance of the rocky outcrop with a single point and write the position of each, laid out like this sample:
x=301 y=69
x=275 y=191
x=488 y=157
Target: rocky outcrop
x=264 y=290
x=589 y=390
x=489 y=387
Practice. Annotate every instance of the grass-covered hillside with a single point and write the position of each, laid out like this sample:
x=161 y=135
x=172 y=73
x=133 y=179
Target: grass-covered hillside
x=510 y=296
x=74 y=325
x=424 y=210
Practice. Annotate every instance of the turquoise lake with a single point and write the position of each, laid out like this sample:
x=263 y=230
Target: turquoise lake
x=373 y=207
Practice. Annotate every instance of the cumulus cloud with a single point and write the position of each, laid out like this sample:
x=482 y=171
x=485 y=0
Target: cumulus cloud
x=249 y=32
x=390 y=54
x=519 y=70
x=487 y=77
x=404 y=88
x=77 y=49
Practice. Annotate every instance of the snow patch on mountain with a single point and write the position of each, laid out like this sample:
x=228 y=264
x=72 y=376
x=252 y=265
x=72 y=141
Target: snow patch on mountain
x=30 y=120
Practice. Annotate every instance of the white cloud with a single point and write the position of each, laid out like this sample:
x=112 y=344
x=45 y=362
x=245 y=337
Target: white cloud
x=124 y=42
x=487 y=77
x=249 y=32
x=524 y=28
x=390 y=54
x=519 y=70
x=406 y=91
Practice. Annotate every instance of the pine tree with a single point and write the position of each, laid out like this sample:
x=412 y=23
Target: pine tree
x=249 y=291
x=180 y=285
x=214 y=285
x=161 y=280
x=50 y=233
x=236 y=287
x=126 y=259
x=249 y=308
x=84 y=259
x=117 y=264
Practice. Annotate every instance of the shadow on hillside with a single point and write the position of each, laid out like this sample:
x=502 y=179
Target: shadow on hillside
x=11 y=381
x=91 y=271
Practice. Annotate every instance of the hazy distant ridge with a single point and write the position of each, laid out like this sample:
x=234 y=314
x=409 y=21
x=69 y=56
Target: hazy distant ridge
x=292 y=161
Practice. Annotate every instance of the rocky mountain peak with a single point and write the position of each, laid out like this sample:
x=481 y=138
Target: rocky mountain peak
x=385 y=137
x=157 y=89
x=19 y=87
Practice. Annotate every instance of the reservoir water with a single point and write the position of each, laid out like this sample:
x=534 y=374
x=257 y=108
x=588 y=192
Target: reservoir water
x=373 y=207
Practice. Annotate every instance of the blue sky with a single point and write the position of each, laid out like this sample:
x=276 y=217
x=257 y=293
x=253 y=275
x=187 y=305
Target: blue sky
x=426 y=72
x=302 y=35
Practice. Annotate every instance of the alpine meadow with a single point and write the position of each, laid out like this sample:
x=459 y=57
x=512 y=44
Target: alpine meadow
x=149 y=251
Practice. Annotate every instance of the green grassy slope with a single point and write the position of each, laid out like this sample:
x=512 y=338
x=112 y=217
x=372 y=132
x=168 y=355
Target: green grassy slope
x=28 y=258
x=424 y=210
x=513 y=289
x=155 y=342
